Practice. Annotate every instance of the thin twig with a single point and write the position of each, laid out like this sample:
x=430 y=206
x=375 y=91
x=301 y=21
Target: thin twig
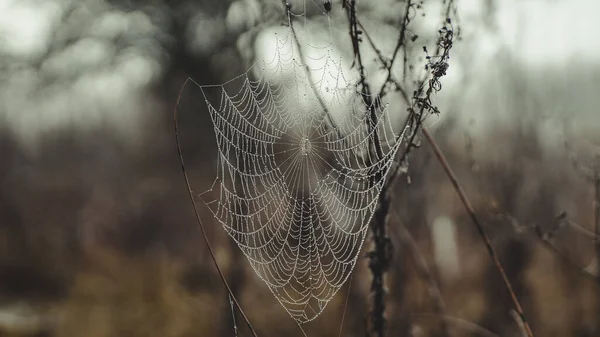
x=355 y=22
x=400 y=43
x=365 y=93
x=467 y=204
x=383 y=61
x=235 y=328
x=197 y=214
x=424 y=271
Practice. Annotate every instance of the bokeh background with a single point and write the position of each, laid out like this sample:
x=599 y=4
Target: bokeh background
x=98 y=238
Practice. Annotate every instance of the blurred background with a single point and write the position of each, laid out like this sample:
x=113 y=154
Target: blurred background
x=98 y=237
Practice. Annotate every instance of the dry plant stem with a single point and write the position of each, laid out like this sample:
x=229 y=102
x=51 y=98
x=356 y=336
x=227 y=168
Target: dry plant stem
x=424 y=272
x=379 y=257
x=413 y=117
x=197 y=214
x=463 y=197
x=235 y=329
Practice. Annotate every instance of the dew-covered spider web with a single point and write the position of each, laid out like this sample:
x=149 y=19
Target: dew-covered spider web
x=301 y=163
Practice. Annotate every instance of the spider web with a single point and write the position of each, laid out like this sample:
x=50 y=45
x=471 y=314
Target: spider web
x=298 y=178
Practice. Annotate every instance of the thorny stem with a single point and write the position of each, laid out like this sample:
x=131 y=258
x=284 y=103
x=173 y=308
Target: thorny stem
x=463 y=197
x=380 y=256
x=379 y=262
x=197 y=214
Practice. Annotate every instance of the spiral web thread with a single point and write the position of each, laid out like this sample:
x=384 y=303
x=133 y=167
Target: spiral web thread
x=297 y=184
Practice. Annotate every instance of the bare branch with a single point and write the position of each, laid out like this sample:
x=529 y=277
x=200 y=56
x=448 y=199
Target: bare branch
x=197 y=214
x=379 y=257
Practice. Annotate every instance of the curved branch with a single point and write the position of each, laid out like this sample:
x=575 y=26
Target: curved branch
x=197 y=214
